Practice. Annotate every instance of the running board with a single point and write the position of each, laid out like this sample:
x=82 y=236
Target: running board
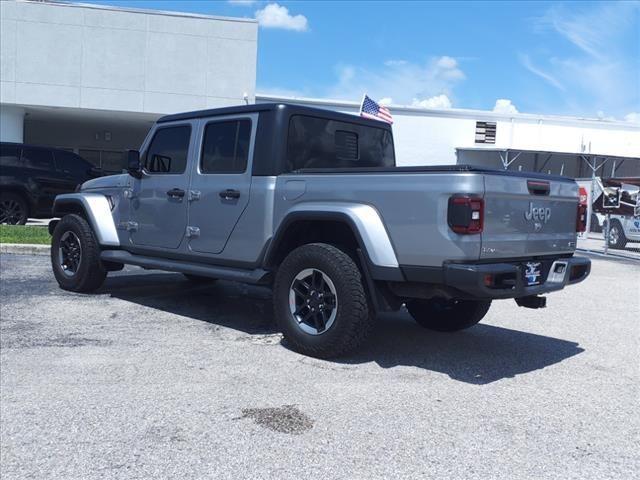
x=256 y=276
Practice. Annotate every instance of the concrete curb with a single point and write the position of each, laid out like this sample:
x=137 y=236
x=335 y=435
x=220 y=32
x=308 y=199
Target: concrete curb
x=25 y=249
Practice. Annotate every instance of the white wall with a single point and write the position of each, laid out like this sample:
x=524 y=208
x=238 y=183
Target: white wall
x=11 y=124
x=80 y=56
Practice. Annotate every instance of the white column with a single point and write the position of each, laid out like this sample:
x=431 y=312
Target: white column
x=11 y=123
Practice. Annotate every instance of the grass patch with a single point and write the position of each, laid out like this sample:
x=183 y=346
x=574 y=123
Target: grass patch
x=24 y=234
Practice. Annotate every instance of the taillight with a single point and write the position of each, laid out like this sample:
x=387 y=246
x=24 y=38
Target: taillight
x=466 y=214
x=581 y=219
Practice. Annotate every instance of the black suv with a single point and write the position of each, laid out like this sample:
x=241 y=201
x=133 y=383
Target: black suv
x=31 y=177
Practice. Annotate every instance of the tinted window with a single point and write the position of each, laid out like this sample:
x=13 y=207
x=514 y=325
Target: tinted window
x=71 y=163
x=225 y=148
x=322 y=143
x=38 y=158
x=168 y=150
x=112 y=161
x=91 y=156
x=9 y=156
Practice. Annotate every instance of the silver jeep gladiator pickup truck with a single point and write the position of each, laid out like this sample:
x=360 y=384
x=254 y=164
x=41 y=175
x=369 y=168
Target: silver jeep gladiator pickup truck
x=310 y=202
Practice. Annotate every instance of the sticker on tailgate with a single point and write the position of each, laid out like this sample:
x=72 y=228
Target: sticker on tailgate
x=532 y=273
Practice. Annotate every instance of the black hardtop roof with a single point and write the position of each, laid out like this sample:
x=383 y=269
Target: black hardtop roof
x=287 y=108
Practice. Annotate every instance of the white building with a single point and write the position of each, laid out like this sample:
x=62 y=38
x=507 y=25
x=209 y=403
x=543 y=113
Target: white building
x=551 y=144
x=93 y=79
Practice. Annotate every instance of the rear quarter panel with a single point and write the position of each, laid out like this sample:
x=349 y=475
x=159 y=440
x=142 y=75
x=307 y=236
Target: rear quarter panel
x=413 y=208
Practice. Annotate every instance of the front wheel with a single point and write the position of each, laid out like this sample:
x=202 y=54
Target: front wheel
x=75 y=255
x=320 y=302
x=447 y=315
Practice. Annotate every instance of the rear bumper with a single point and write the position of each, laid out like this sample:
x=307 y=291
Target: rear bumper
x=506 y=280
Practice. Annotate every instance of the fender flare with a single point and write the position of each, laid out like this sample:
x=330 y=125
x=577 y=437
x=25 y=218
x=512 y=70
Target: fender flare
x=97 y=210
x=363 y=219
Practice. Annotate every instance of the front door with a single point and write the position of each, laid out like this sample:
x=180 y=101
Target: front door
x=159 y=202
x=221 y=181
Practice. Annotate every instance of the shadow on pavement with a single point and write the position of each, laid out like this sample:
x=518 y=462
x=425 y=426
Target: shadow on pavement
x=479 y=355
x=245 y=308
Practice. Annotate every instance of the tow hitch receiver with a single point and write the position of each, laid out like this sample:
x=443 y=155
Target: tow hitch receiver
x=532 y=301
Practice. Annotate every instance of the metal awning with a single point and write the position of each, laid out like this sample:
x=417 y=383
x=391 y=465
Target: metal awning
x=595 y=161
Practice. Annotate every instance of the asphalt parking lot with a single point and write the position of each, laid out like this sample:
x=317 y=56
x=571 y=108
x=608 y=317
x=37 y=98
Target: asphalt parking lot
x=154 y=377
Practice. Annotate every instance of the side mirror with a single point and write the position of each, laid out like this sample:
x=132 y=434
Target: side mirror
x=134 y=167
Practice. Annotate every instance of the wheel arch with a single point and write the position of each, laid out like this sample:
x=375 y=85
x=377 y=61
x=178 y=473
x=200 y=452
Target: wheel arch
x=354 y=226
x=95 y=208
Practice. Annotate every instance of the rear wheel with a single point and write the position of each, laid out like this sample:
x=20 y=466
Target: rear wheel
x=75 y=255
x=14 y=209
x=617 y=238
x=447 y=315
x=320 y=303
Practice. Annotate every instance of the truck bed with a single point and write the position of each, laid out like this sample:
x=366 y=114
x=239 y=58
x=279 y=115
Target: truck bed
x=413 y=203
x=436 y=169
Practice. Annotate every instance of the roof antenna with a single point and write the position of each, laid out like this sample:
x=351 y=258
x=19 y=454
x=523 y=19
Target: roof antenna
x=245 y=97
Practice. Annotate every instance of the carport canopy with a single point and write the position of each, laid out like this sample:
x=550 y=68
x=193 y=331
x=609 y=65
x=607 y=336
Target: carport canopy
x=576 y=165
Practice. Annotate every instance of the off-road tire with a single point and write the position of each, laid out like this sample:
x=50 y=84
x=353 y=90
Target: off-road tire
x=353 y=321
x=447 y=316
x=90 y=272
x=620 y=239
x=14 y=205
x=199 y=278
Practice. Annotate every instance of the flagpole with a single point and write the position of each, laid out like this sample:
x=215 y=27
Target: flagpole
x=364 y=95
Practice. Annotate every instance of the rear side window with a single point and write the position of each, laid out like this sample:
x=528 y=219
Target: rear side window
x=168 y=150
x=10 y=156
x=37 y=158
x=225 y=148
x=71 y=163
x=323 y=143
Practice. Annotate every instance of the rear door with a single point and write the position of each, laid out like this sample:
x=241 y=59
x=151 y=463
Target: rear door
x=158 y=205
x=220 y=181
x=527 y=217
x=72 y=168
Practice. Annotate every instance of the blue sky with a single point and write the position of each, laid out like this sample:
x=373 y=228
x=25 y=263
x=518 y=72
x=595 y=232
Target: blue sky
x=574 y=58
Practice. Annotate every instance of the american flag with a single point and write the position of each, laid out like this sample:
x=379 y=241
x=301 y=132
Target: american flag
x=371 y=109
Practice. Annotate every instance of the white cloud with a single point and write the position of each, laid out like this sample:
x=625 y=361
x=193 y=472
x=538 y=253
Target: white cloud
x=601 y=70
x=385 y=101
x=277 y=16
x=550 y=79
x=405 y=82
x=633 y=117
x=436 y=102
x=504 y=105
x=242 y=3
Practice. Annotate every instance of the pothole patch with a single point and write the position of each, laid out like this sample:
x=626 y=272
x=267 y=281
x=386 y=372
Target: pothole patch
x=285 y=419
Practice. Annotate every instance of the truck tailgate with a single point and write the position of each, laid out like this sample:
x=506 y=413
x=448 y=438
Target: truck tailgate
x=527 y=217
